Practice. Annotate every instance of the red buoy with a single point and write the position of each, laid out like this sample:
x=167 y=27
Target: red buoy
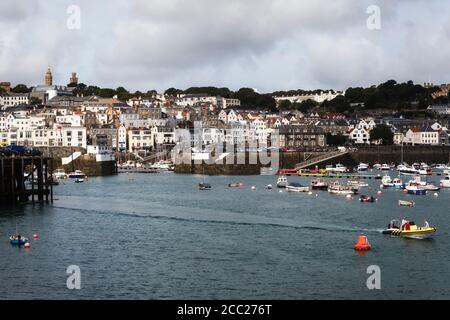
x=35 y=236
x=362 y=244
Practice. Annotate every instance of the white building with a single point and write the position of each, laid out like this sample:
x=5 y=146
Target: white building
x=424 y=136
x=318 y=97
x=359 y=136
x=13 y=99
x=141 y=139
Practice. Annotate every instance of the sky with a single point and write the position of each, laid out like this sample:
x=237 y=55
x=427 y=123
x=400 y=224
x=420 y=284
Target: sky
x=264 y=44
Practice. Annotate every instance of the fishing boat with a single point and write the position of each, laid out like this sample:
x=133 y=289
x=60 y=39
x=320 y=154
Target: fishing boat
x=408 y=229
x=362 y=167
x=415 y=189
x=319 y=184
x=366 y=198
x=296 y=187
x=336 y=188
x=17 y=240
x=77 y=174
x=395 y=183
x=406 y=203
x=282 y=182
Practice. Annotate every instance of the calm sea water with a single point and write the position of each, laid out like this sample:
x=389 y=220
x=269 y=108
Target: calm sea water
x=156 y=236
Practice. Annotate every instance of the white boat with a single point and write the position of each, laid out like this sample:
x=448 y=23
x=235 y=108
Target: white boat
x=414 y=188
x=405 y=170
x=385 y=167
x=406 y=203
x=339 y=168
x=395 y=183
x=442 y=167
x=59 y=174
x=377 y=166
x=282 y=182
x=79 y=180
x=336 y=188
x=357 y=183
x=77 y=174
x=424 y=184
x=445 y=183
x=296 y=187
x=362 y=167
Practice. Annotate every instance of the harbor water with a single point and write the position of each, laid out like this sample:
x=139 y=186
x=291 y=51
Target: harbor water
x=156 y=236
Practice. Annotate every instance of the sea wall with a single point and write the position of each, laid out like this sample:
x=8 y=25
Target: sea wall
x=90 y=166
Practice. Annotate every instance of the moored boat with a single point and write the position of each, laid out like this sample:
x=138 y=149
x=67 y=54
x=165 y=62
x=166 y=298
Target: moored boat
x=406 y=203
x=17 y=239
x=362 y=167
x=319 y=184
x=296 y=187
x=415 y=188
x=336 y=188
x=204 y=186
x=79 y=180
x=77 y=174
x=366 y=198
x=282 y=182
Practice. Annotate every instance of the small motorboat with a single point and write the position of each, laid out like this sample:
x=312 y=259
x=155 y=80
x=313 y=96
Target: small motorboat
x=408 y=229
x=395 y=183
x=296 y=187
x=362 y=167
x=366 y=198
x=77 y=174
x=269 y=187
x=319 y=184
x=234 y=185
x=406 y=203
x=357 y=183
x=59 y=174
x=336 y=188
x=445 y=183
x=17 y=240
x=385 y=167
x=282 y=182
x=204 y=186
x=415 y=188
x=79 y=180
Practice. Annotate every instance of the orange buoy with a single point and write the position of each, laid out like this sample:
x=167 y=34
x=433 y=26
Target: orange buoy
x=362 y=244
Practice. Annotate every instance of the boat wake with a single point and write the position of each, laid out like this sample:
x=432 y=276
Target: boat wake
x=194 y=214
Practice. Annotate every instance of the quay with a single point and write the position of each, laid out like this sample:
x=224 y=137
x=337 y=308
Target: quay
x=25 y=177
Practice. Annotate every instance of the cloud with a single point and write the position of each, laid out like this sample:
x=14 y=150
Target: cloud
x=267 y=44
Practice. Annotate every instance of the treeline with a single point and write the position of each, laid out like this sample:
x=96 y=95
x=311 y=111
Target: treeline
x=250 y=99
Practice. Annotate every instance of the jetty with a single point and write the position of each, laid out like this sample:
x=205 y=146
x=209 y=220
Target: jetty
x=25 y=178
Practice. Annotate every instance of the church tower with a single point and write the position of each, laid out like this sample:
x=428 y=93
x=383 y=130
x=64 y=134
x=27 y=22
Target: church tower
x=73 y=78
x=48 y=77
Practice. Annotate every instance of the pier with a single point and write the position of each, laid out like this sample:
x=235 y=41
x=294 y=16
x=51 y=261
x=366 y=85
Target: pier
x=24 y=179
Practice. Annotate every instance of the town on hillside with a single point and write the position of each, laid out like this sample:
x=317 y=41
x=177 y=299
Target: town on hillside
x=106 y=122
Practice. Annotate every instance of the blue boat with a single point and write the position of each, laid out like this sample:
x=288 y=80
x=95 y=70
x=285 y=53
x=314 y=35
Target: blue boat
x=17 y=240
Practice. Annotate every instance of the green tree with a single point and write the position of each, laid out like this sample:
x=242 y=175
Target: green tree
x=284 y=105
x=336 y=140
x=173 y=91
x=35 y=100
x=384 y=133
x=20 y=88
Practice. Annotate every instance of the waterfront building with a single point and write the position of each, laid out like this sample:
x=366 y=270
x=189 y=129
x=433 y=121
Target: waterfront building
x=359 y=136
x=302 y=136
